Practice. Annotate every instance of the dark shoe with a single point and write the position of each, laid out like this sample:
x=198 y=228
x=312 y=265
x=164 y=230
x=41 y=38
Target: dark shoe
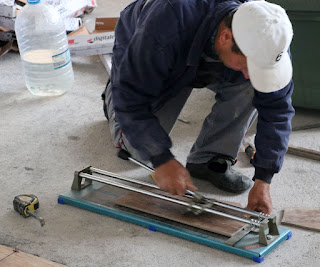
x=220 y=174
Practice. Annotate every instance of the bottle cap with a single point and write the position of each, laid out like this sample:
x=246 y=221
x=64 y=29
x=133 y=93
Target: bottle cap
x=32 y=2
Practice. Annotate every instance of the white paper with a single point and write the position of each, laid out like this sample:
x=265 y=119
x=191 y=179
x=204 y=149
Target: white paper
x=72 y=24
x=69 y=8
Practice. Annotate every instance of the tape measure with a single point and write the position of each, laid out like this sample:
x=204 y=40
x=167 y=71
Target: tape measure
x=26 y=205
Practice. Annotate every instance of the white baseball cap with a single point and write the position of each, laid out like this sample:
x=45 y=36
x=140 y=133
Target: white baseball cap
x=263 y=32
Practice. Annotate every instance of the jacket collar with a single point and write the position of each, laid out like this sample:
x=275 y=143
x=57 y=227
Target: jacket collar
x=211 y=22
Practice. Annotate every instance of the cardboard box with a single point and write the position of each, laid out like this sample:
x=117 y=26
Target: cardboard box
x=100 y=41
x=91 y=5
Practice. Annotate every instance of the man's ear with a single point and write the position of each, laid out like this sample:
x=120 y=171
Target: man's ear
x=225 y=37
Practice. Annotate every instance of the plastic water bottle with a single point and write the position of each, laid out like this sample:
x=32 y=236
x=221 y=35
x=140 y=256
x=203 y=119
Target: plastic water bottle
x=44 y=49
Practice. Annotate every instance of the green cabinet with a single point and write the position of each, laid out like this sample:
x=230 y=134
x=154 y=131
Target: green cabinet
x=305 y=49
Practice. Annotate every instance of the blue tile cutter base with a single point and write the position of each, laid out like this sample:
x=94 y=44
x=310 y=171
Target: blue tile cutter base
x=246 y=247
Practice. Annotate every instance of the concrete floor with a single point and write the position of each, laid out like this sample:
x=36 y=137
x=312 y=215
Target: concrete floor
x=44 y=140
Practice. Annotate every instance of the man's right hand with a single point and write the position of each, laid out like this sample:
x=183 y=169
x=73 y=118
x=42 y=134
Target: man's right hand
x=173 y=178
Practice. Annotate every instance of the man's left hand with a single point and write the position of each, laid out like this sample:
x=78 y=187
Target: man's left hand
x=259 y=198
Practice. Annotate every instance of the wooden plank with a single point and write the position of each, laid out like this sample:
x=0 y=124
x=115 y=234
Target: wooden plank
x=308 y=218
x=21 y=259
x=306 y=127
x=175 y=212
x=304 y=152
x=5 y=251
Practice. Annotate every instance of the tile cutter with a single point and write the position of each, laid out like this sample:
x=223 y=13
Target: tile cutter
x=264 y=225
x=255 y=240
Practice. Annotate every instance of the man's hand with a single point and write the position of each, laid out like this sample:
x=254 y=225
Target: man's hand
x=173 y=178
x=259 y=197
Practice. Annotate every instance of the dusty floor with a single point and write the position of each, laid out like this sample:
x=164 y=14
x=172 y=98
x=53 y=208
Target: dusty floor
x=44 y=140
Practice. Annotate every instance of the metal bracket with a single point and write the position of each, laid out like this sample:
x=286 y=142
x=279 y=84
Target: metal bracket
x=77 y=184
x=195 y=211
x=268 y=232
x=200 y=201
x=239 y=234
x=270 y=224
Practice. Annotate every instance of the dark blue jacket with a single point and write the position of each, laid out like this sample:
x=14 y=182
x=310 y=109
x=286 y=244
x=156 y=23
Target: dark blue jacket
x=157 y=53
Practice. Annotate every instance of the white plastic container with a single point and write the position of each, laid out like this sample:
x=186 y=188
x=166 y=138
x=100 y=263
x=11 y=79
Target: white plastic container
x=44 y=51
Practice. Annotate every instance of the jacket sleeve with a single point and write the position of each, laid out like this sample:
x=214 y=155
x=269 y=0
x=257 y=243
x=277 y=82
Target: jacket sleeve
x=275 y=112
x=140 y=69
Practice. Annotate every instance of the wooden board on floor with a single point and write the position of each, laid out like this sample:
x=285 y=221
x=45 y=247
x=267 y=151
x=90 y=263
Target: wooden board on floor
x=308 y=218
x=21 y=259
x=304 y=152
x=175 y=212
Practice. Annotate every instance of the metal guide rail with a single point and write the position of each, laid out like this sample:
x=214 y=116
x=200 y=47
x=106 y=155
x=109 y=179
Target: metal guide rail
x=262 y=224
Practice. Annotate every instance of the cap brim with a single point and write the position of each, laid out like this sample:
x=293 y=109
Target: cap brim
x=268 y=80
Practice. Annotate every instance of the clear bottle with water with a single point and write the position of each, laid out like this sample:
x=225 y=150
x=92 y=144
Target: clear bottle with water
x=44 y=51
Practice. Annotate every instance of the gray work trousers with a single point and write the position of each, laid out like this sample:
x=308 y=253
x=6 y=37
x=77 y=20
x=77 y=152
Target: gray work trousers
x=222 y=131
